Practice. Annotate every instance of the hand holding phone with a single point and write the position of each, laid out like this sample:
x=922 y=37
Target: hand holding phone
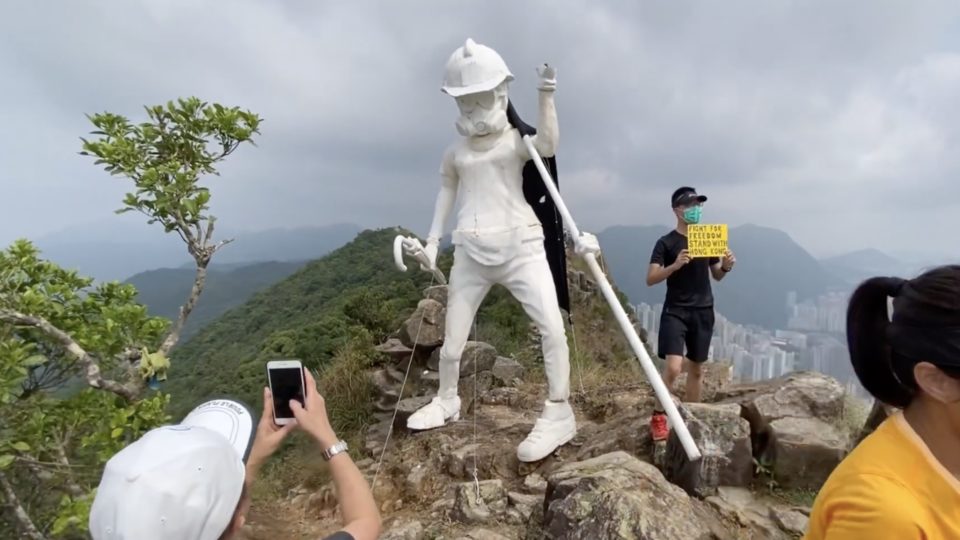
x=286 y=384
x=312 y=417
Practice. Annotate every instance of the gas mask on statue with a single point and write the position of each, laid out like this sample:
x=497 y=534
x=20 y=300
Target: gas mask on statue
x=483 y=113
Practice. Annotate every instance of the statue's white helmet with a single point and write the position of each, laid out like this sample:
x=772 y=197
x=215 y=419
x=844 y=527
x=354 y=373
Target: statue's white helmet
x=474 y=68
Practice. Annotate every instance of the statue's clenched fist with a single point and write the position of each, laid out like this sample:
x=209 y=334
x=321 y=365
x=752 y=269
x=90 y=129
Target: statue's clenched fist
x=548 y=77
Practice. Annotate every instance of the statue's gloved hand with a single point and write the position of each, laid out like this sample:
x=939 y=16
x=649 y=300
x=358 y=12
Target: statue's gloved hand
x=548 y=78
x=430 y=250
x=587 y=243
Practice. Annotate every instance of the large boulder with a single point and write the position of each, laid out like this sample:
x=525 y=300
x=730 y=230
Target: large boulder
x=717 y=376
x=723 y=438
x=799 y=394
x=792 y=423
x=480 y=502
x=618 y=496
x=395 y=349
x=437 y=292
x=753 y=517
x=805 y=451
x=477 y=355
x=425 y=327
x=506 y=371
x=627 y=432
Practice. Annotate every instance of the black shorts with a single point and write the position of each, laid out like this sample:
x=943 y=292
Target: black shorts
x=690 y=327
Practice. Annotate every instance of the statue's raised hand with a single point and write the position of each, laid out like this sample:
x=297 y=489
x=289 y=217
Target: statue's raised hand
x=548 y=77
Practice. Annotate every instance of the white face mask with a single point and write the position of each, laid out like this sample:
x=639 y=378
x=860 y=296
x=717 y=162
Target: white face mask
x=483 y=113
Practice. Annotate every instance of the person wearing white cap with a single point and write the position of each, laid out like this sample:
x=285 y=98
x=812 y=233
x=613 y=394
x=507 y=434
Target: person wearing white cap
x=191 y=481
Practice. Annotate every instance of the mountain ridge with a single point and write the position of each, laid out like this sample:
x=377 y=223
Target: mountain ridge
x=120 y=250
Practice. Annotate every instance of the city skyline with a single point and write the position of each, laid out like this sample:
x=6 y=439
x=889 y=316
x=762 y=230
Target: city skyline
x=813 y=341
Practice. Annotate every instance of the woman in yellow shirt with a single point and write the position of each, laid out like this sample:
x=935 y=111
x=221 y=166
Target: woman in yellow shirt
x=903 y=481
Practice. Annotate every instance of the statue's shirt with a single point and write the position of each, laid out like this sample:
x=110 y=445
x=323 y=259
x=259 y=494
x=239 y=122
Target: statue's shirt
x=493 y=218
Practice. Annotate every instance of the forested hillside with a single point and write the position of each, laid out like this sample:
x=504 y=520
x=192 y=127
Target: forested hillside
x=227 y=286
x=353 y=294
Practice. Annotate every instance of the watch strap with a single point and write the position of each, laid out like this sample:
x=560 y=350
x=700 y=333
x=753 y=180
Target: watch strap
x=339 y=447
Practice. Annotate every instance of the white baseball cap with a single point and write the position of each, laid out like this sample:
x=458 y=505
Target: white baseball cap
x=177 y=482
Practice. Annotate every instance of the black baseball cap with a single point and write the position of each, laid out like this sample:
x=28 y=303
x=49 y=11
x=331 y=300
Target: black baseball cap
x=686 y=195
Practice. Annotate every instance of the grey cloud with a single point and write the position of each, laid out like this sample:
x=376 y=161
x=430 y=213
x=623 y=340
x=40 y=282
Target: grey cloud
x=812 y=117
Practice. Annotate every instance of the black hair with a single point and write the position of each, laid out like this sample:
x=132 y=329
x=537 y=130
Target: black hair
x=925 y=328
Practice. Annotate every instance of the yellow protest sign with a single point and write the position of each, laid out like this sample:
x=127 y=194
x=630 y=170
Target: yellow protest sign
x=706 y=240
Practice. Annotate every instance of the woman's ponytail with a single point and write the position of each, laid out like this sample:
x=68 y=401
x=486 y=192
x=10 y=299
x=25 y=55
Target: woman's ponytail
x=870 y=353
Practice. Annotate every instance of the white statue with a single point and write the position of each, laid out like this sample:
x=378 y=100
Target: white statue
x=498 y=237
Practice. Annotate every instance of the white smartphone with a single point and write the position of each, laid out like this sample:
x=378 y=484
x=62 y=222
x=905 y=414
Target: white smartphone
x=286 y=383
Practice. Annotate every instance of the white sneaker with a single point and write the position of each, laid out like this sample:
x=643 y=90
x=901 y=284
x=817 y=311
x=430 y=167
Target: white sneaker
x=555 y=427
x=435 y=414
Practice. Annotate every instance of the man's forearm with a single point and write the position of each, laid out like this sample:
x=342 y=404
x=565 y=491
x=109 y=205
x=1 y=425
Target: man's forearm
x=658 y=274
x=360 y=514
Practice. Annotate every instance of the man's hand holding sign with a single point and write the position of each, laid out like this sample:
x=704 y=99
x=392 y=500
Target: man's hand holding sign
x=711 y=241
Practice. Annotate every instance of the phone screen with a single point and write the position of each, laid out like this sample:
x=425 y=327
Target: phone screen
x=286 y=384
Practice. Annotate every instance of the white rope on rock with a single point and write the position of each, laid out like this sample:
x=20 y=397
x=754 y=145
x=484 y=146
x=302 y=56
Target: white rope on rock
x=403 y=385
x=476 y=379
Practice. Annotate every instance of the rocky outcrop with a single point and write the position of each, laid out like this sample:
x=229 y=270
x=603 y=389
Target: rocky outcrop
x=507 y=371
x=437 y=293
x=717 y=376
x=479 y=502
x=425 y=327
x=792 y=423
x=755 y=518
x=723 y=438
x=618 y=496
x=476 y=355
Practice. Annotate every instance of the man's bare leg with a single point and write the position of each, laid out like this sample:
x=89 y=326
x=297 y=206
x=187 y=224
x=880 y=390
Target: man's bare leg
x=659 y=429
x=672 y=370
x=694 y=385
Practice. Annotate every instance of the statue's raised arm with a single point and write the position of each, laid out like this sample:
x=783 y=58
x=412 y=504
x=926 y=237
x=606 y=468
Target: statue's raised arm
x=547 y=137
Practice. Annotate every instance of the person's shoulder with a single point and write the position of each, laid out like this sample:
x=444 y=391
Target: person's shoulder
x=866 y=505
x=670 y=238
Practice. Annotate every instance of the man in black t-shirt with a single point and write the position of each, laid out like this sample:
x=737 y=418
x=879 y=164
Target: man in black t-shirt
x=686 y=325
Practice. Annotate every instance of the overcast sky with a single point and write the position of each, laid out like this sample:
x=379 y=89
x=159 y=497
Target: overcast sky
x=834 y=121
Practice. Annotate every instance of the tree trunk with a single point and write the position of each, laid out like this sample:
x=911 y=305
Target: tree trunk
x=27 y=528
x=89 y=363
x=71 y=486
x=174 y=336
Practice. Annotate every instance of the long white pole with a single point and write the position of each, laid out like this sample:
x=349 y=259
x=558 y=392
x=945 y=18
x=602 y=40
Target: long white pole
x=663 y=394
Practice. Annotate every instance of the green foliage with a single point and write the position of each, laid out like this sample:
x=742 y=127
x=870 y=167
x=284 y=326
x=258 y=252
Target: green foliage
x=58 y=330
x=72 y=514
x=105 y=321
x=57 y=444
x=349 y=300
x=166 y=156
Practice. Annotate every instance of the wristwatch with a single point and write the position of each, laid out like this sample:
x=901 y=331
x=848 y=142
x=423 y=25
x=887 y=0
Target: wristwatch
x=341 y=446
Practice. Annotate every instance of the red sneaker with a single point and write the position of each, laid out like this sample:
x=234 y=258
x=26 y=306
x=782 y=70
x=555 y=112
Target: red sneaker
x=658 y=427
